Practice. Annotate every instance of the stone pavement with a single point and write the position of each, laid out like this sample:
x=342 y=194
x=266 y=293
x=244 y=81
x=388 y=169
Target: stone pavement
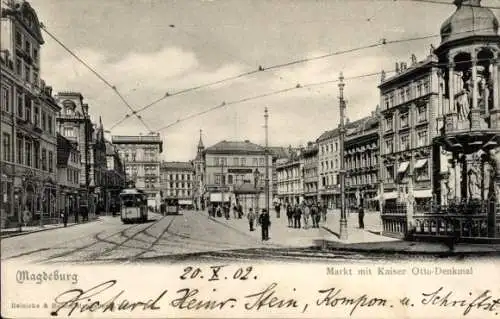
x=12 y=232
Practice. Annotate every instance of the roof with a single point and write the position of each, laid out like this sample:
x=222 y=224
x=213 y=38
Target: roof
x=278 y=151
x=179 y=166
x=362 y=125
x=470 y=19
x=336 y=132
x=421 y=66
x=235 y=147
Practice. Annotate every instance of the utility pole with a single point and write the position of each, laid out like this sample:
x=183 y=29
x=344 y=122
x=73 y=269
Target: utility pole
x=342 y=105
x=266 y=152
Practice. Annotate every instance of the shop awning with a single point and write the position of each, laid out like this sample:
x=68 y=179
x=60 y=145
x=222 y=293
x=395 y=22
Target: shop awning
x=420 y=163
x=217 y=197
x=390 y=195
x=185 y=202
x=422 y=193
x=403 y=167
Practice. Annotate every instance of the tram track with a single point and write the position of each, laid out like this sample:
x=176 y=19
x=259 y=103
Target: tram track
x=96 y=241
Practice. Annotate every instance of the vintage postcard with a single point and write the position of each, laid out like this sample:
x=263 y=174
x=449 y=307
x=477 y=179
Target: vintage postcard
x=250 y=159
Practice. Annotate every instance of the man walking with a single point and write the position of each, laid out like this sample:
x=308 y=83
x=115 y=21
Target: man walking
x=315 y=215
x=289 y=214
x=361 y=213
x=307 y=213
x=251 y=218
x=297 y=214
x=277 y=208
x=265 y=222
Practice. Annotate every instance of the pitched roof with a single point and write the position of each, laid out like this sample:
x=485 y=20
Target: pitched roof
x=178 y=166
x=278 y=151
x=235 y=147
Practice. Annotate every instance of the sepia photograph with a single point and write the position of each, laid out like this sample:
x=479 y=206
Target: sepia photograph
x=250 y=159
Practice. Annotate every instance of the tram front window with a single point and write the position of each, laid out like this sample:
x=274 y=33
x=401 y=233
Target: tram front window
x=131 y=201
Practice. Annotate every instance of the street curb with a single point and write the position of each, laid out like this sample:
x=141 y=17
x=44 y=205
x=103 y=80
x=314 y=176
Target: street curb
x=339 y=246
x=23 y=233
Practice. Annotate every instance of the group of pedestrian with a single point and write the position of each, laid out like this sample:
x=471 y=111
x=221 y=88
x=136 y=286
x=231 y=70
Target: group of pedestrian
x=308 y=213
x=220 y=210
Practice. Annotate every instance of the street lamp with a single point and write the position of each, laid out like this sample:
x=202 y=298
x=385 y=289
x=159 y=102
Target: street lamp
x=342 y=105
x=256 y=175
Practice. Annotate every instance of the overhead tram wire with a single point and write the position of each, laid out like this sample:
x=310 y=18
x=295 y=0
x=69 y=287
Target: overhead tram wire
x=42 y=26
x=381 y=42
x=298 y=86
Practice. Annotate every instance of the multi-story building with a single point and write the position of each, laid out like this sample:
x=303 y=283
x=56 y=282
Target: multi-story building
x=115 y=179
x=177 y=180
x=235 y=172
x=73 y=122
x=98 y=168
x=361 y=162
x=277 y=152
x=141 y=157
x=310 y=168
x=328 y=169
x=290 y=178
x=409 y=101
x=199 y=176
x=28 y=111
x=68 y=175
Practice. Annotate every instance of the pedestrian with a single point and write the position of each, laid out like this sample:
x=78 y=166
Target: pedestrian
x=361 y=213
x=314 y=216
x=235 y=211
x=264 y=222
x=289 y=214
x=240 y=211
x=277 y=208
x=65 y=217
x=251 y=219
x=323 y=212
x=226 y=211
x=307 y=213
x=218 y=211
x=297 y=214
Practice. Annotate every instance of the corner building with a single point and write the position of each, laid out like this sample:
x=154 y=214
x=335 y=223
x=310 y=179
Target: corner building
x=141 y=158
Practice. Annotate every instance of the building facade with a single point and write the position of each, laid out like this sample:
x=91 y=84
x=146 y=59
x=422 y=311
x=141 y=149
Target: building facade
x=141 y=158
x=310 y=169
x=115 y=179
x=235 y=172
x=28 y=112
x=74 y=124
x=290 y=178
x=98 y=168
x=408 y=123
x=328 y=169
x=361 y=162
x=68 y=175
x=177 y=180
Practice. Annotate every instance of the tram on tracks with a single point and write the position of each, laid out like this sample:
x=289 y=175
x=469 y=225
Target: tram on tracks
x=171 y=206
x=134 y=206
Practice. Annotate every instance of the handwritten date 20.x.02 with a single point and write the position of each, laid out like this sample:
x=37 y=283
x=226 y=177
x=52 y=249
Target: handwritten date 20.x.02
x=220 y=272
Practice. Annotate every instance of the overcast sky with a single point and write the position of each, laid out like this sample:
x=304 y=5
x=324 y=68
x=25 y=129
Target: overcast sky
x=133 y=45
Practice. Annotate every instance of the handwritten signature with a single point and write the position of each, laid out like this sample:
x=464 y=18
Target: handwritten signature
x=483 y=301
x=78 y=299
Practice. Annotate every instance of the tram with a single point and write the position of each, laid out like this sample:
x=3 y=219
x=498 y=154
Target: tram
x=134 y=206
x=171 y=206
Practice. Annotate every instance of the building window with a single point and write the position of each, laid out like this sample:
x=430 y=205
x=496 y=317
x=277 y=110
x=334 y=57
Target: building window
x=422 y=113
x=19 y=67
x=404 y=120
x=19 y=39
x=230 y=179
x=405 y=142
x=236 y=161
x=44 y=159
x=422 y=173
x=49 y=124
x=402 y=96
x=408 y=93
x=27 y=109
x=35 y=78
x=389 y=173
x=386 y=102
x=6 y=147
x=35 y=54
x=5 y=99
x=51 y=162
x=388 y=123
x=27 y=73
x=389 y=146
x=421 y=138
x=217 y=179
x=243 y=161
x=261 y=161
x=27 y=47
x=68 y=132
x=36 y=154
x=419 y=89
x=19 y=150
x=27 y=153
x=44 y=121
x=20 y=105
x=37 y=116
x=426 y=87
